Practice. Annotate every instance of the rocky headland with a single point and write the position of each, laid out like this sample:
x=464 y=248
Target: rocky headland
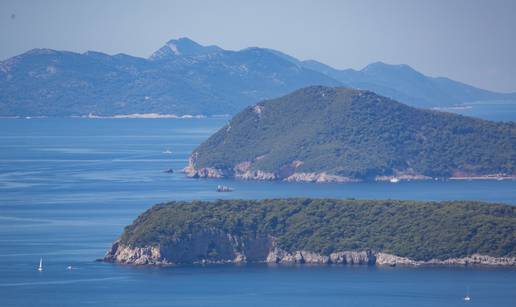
x=297 y=231
x=156 y=255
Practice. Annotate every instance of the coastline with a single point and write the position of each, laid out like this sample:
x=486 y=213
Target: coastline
x=143 y=116
x=154 y=256
x=239 y=173
x=124 y=116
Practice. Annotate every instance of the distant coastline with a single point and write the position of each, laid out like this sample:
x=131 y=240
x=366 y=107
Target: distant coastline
x=125 y=116
x=323 y=177
x=143 y=115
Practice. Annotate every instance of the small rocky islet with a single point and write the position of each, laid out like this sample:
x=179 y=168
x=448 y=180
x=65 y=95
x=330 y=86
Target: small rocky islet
x=320 y=231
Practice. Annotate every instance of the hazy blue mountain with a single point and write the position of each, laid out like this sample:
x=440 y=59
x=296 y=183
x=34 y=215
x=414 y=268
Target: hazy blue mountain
x=183 y=47
x=184 y=77
x=403 y=83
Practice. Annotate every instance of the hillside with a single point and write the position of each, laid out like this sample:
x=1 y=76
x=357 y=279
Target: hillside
x=320 y=231
x=339 y=134
x=184 y=77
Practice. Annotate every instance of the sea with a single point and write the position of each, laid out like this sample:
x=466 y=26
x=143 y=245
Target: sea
x=68 y=187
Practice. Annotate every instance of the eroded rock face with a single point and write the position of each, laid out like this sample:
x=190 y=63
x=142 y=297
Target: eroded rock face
x=353 y=257
x=277 y=255
x=209 y=246
x=241 y=171
x=402 y=177
x=244 y=171
x=318 y=177
x=393 y=260
x=214 y=246
x=205 y=172
x=256 y=175
x=406 y=174
x=475 y=259
x=134 y=255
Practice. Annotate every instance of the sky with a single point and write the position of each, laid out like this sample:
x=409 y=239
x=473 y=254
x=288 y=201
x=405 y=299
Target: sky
x=472 y=41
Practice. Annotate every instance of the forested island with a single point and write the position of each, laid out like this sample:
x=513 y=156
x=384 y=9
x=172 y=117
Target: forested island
x=321 y=231
x=324 y=134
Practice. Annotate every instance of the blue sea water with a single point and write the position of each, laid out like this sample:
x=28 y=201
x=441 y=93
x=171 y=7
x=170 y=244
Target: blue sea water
x=490 y=110
x=69 y=186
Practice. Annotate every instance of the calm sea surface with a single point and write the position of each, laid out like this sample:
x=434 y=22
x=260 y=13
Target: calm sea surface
x=490 y=110
x=69 y=186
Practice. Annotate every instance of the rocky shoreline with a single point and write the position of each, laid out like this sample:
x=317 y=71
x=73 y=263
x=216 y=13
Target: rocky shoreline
x=244 y=171
x=156 y=255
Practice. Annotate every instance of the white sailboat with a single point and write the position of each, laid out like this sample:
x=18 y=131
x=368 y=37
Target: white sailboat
x=40 y=267
x=467 y=297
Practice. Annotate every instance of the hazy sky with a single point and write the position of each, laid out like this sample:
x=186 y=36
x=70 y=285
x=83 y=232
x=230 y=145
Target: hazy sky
x=470 y=41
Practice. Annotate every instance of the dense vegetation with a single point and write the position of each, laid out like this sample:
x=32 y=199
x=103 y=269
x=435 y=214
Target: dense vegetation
x=359 y=134
x=419 y=230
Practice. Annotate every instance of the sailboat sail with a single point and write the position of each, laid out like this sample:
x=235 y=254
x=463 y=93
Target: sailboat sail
x=40 y=268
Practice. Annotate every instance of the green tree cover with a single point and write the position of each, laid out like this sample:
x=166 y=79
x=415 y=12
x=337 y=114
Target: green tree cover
x=419 y=230
x=359 y=134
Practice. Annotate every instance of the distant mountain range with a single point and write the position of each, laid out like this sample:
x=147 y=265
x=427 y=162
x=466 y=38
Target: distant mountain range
x=324 y=134
x=184 y=77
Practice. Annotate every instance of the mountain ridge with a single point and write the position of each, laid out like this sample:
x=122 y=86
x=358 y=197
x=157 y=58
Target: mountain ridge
x=184 y=77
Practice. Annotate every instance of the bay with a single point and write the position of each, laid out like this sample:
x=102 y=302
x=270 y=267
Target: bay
x=68 y=187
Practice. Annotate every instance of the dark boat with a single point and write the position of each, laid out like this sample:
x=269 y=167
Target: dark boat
x=223 y=188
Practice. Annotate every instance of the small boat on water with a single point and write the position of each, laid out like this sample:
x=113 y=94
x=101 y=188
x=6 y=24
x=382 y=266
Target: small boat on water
x=168 y=152
x=40 y=267
x=467 y=298
x=69 y=267
x=169 y=171
x=223 y=188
